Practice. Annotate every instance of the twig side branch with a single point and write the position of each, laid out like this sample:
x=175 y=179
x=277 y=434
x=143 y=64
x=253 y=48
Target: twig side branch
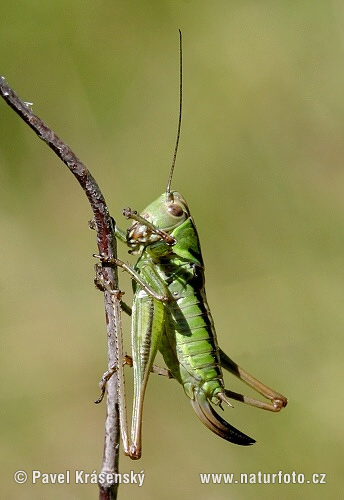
x=106 y=245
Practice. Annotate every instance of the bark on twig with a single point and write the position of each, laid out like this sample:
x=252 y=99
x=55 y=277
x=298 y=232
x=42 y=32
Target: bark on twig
x=106 y=245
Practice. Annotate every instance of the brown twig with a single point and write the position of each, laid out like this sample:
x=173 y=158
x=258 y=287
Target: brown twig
x=106 y=246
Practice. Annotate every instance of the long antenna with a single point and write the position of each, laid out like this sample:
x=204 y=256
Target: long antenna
x=168 y=188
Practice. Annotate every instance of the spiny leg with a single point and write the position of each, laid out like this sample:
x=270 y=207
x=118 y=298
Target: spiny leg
x=278 y=401
x=134 y=275
x=127 y=360
x=115 y=295
x=125 y=308
x=103 y=381
x=148 y=324
x=253 y=402
x=159 y=370
x=102 y=285
x=145 y=339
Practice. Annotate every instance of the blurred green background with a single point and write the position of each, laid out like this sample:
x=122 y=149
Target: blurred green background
x=261 y=165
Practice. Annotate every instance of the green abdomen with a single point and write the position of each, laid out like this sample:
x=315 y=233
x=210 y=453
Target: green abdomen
x=189 y=344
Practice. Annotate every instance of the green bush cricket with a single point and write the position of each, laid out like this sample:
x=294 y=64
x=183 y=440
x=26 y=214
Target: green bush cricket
x=170 y=313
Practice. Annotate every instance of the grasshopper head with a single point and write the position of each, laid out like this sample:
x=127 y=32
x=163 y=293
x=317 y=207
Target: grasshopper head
x=165 y=213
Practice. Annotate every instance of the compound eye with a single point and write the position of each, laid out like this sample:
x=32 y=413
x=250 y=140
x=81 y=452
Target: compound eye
x=175 y=210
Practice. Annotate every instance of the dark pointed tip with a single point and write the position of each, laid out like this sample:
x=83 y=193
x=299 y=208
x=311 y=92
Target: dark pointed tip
x=217 y=424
